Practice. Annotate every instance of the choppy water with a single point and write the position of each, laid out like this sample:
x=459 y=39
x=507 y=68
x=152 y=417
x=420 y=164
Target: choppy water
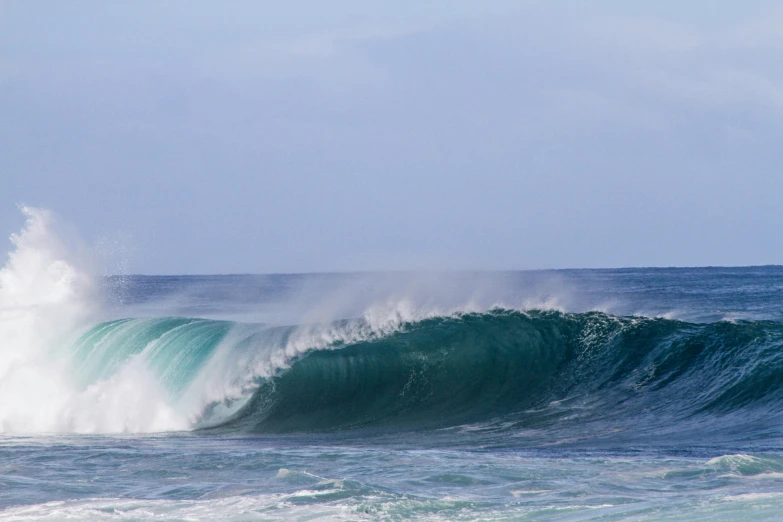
x=200 y=477
x=644 y=394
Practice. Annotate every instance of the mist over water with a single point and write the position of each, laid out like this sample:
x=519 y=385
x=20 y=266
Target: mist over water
x=362 y=395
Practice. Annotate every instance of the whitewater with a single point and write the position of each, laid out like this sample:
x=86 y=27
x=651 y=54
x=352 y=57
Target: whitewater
x=628 y=394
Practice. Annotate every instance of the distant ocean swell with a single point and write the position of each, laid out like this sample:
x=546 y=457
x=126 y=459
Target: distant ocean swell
x=534 y=369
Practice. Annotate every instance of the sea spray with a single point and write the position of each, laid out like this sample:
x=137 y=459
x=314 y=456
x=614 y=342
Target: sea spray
x=43 y=296
x=47 y=294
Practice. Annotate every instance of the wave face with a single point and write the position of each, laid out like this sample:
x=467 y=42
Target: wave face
x=536 y=368
x=541 y=370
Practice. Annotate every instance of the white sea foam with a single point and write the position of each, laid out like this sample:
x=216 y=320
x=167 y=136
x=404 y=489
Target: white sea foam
x=47 y=292
x=257 y=507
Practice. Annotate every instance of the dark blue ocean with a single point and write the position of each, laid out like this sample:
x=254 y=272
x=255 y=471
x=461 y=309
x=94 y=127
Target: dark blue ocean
x=632 y=394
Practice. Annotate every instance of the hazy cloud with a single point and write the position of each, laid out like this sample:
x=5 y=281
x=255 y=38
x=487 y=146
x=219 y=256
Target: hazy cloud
x=252 y=139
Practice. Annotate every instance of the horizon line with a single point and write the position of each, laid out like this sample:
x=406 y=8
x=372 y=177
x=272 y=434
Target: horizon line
x=448 y=271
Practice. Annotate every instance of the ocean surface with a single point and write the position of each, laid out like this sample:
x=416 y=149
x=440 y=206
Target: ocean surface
x=629 y=394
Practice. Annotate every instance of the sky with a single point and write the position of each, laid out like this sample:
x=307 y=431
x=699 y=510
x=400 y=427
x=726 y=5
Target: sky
x=267 y=137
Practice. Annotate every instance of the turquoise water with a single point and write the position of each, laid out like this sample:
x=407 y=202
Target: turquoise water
x=645 y=394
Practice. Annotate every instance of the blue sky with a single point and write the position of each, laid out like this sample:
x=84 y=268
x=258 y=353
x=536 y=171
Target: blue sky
x=219 y=137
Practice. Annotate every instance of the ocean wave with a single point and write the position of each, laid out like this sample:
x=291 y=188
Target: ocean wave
x=535 y=368
x=398 y=367
x=525 y=369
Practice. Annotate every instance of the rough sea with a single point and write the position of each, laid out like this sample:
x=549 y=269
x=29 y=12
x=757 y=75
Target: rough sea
x=563 y=395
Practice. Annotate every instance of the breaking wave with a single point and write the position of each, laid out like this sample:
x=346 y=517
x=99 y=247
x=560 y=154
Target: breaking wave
x=499 y=368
